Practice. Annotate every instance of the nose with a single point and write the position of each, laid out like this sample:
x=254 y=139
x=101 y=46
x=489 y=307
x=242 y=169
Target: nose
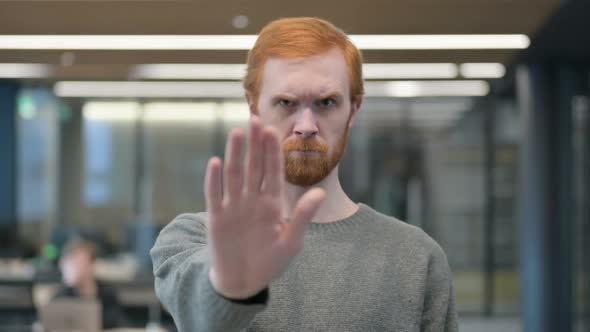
x=305 y=125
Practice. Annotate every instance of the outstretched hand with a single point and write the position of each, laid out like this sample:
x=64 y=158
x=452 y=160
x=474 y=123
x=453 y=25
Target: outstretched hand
x=251 y=243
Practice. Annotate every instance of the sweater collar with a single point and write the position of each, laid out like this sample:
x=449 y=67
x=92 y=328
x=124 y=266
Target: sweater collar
x=362 y=215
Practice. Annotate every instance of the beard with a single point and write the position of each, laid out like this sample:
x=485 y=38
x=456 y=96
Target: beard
x=305 y=169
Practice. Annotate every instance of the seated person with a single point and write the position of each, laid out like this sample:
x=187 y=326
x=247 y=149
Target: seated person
x=77 y=269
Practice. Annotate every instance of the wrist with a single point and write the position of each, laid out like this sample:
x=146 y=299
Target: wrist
x=230 y=294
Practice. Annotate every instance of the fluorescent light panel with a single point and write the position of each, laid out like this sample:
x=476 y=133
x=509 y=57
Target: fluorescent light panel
x=24 y=70
x=482 y=70
x=245 y=42
x=439 y=42
x=370 y=71
x=409 y=70
x=408 y=89
x=166 y=112
x=237 y=71
x=136 y=89
x=141 y=89
x=127 y=42
x=189 y=71
x=111 y=111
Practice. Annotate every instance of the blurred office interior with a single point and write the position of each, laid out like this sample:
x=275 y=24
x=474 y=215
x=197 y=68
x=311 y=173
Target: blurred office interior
x=474 y=127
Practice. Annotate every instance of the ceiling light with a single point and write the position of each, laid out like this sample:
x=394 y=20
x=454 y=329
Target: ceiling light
x=24 y=70
x=409 y=70
x=139 y=89
x=240 y=21
x=370 y=71
x=245 y=42
x=402 y=89
x=482 y=70
x=237 y=71
x=189 y=71
x=110 y=111
x=439 y=42
x=127 y=42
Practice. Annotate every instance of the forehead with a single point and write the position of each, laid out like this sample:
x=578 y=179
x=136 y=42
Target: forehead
x=77 y=253
x=323 y=73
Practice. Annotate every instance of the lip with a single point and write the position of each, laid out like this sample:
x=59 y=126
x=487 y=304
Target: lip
x=305 y=151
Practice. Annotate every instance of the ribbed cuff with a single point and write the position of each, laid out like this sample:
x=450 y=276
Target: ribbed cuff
x=231 y=312
x=259 y=298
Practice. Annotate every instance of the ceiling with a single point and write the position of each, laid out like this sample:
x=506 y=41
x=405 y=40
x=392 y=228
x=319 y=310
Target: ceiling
x=215 y=17
x=561 y=38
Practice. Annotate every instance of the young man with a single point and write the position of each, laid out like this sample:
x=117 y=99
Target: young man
x=298 y=255
x=77 y=268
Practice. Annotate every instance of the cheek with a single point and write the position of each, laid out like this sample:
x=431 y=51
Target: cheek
x=336 y=126
x=266 y=114
x=70 y=273
x=279 y=122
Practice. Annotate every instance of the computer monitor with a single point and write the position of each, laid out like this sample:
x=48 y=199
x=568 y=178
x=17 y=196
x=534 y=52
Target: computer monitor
x=72 y=315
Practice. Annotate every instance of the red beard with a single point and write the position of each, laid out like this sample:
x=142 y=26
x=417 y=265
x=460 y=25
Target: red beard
x=308 y=170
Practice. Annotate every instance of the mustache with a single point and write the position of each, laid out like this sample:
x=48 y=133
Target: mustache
x=305 y=145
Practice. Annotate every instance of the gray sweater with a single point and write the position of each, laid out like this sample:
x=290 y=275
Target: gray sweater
x=368 y=272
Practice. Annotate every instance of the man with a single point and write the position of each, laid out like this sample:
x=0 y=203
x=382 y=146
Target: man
x=270 y=255
x=77 y=268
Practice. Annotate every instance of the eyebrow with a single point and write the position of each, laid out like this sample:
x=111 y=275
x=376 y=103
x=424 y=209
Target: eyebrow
x=331 y=94
x=280 y=96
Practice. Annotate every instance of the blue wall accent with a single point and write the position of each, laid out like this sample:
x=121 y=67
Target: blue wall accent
x=8 y=111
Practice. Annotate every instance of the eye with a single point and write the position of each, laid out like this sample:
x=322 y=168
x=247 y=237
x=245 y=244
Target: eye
x=327 y=103
x=286 y=103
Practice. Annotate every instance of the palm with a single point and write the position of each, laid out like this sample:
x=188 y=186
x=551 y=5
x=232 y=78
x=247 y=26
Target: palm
x=250 y=243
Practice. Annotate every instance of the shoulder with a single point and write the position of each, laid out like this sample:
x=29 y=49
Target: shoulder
x=190 y=220
x=403 y=234
x=184 y=227
x=184 y=234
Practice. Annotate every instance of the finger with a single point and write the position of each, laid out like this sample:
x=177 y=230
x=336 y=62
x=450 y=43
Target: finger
x=304 y=211
x=213 y=193
x=255 y=156
x=233 y=170
x=273 y=172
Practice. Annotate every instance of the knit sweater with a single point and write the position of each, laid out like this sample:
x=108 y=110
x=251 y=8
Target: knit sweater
x=367 y=272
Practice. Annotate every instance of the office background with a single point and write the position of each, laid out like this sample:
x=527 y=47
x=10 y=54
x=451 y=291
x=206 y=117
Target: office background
x=485 y=146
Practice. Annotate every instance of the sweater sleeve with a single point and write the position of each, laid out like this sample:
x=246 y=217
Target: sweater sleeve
x=439 y=313
x=181 y=268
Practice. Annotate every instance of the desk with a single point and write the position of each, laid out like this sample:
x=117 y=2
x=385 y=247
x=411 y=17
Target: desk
x=38 y=328
x=147 y=329
x=18 y=296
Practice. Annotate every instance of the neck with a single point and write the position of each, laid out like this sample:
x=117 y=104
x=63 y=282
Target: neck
x=336 y=206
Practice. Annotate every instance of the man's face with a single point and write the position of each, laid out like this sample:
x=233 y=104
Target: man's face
x=308 y=101
x=77 y=267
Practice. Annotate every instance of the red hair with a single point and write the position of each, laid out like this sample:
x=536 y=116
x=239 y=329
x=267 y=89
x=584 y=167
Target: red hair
x=301 y=37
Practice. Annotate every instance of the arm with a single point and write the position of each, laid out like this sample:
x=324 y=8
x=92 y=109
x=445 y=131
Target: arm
x=439 y=313
x=208 y=277
x=181 y=265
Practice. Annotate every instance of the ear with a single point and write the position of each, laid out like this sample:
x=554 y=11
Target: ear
x=355 y=106
x=251 y=103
